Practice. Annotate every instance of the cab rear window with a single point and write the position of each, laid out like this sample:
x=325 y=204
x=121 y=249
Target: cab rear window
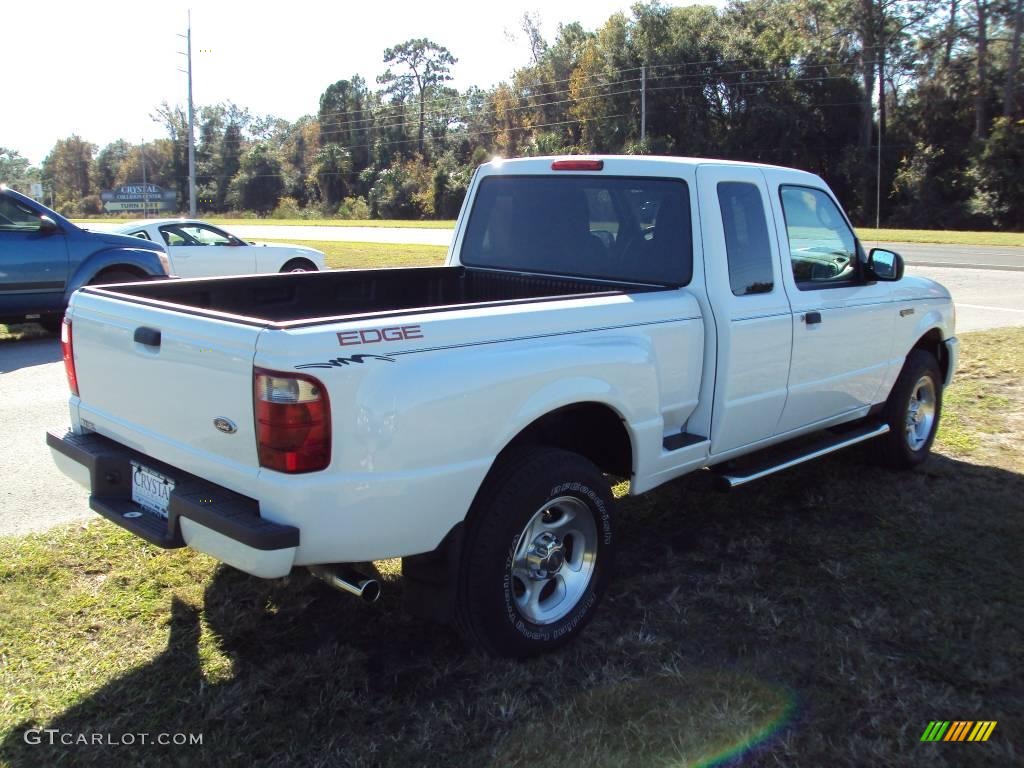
x=612 y=228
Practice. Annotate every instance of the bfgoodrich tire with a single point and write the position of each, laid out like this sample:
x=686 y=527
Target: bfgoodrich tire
x=912 y=412
x=538 y=553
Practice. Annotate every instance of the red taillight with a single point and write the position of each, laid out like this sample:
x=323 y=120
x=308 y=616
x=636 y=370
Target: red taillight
x=68 y=350
x=293 y=421
x=577 y=165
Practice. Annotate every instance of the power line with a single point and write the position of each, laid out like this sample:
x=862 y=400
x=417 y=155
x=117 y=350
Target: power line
x=439 y=113
x=332 y=127
x=447 y=100
x=602 y=118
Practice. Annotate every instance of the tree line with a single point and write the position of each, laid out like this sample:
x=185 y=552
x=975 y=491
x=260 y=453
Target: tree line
x=910 y=109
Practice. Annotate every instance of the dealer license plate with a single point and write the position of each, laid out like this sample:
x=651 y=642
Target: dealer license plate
x=151 y=490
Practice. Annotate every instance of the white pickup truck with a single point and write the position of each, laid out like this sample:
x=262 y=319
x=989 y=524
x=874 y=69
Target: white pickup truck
x=597 y=318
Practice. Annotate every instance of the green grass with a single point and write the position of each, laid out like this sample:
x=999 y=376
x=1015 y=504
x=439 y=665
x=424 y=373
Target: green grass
x=940 y=236
x=822 y=616
x=21 y=331
x=375 y=223
x=865 y=233
x=988 y=385
x=227 y=222
x=374 y=255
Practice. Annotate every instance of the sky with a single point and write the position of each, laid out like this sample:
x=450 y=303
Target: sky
x=100 y=69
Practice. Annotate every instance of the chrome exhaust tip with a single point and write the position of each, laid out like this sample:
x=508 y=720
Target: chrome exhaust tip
x=348 y=580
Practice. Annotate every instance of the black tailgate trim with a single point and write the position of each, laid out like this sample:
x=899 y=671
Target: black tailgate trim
x=210 y=505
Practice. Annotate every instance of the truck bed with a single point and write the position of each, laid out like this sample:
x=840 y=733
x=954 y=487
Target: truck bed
x=295 y=299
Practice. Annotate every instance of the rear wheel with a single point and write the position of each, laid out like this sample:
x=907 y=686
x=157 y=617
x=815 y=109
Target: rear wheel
x=299 y=265
x=51 y=324
x=912 y=412
x=538 y=553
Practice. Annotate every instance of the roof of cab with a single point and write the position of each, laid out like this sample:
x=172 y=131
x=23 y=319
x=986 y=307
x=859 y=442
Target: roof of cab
x=622 y=163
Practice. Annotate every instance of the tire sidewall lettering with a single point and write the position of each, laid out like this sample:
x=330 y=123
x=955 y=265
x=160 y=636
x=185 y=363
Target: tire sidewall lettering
x=580 y=612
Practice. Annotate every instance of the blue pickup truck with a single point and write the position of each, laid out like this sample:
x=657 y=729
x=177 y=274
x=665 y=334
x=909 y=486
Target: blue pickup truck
x=44 y=258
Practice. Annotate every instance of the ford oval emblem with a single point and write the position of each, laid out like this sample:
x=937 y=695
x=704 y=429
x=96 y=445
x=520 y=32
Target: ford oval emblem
x=227 y=426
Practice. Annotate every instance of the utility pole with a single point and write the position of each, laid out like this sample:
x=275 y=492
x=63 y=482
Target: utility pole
x=145 y=196
x=643 y=106
x=191 y=124
x=878 y=181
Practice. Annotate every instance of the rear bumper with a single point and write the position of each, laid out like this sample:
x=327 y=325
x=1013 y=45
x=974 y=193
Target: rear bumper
x=200 y=514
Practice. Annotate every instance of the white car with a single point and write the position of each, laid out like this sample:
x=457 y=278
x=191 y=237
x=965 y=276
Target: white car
x=198 y=249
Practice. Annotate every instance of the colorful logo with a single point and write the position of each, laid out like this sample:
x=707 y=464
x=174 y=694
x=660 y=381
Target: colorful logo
x=958 y=730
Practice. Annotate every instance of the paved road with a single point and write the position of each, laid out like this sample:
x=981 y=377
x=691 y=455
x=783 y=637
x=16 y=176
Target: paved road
x=964 y=256
x=33 y=392
x=984 y=298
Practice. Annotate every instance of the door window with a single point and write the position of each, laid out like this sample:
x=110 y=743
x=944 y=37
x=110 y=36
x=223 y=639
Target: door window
x=195 y=234
x=822 y=248
x=746 y=238
x=14 y=217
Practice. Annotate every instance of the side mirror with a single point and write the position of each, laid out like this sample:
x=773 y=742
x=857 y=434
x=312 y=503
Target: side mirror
x=884 y=265
x=47 y=226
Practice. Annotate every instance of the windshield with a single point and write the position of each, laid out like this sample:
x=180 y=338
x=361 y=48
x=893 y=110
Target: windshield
x=613 y=228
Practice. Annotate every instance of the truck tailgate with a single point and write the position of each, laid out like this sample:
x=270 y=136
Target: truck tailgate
x=157 y=380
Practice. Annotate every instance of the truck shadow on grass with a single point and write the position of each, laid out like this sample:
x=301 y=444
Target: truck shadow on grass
x=821 y=617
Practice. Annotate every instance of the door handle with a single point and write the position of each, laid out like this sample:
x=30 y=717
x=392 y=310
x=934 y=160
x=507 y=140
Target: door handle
x=148 y=336
x=812 y=318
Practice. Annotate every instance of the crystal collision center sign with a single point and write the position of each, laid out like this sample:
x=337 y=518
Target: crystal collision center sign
x=139 y=197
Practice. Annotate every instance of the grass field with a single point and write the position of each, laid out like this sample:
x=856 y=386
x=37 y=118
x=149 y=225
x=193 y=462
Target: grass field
x=21 y=331
x=865 y=233
x=375 y=255
x=819 y=618
x=376 y=223
x=941 y=236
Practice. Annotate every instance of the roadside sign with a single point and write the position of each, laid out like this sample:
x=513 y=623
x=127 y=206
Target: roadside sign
x=139 y=197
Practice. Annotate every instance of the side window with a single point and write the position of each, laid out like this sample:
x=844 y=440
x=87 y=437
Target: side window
x=174 y=236
x=197 y=234
x=207 y=235
x=193 y=234
x=746 y=238
x=140 y=234
x=822 y=247
x=14 y=217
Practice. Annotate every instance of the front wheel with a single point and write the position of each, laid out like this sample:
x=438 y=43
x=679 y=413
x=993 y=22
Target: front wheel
x=299 y=265
x=538 y=554
x=912 y=412
x=115 y=276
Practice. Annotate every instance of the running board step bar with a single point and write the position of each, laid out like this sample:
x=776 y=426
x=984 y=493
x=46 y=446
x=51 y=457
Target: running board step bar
x=681 y=440
x=806 y=453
